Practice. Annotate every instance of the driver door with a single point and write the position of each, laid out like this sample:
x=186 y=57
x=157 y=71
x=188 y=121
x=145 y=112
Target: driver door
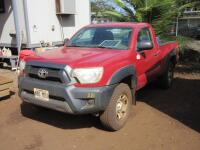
x=144 y=58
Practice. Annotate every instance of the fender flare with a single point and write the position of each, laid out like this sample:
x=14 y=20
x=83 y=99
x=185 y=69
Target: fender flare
x=121 y=74
x=127 y=71
x=172 y=55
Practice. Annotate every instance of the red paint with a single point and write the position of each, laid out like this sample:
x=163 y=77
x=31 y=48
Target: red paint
x=110 y=60
x=25 y=53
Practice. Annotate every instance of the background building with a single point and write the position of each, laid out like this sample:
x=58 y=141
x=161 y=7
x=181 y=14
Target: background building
x=32 y=22
x=189 y=23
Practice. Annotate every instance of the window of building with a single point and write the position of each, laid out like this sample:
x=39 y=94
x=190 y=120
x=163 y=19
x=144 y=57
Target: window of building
x=2 y=6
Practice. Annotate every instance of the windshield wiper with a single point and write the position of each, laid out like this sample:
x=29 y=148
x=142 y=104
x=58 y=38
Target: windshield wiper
x=90 y=47
x=104 y=47
x=74 y=46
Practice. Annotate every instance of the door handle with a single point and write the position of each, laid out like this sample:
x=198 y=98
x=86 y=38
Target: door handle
x=156 y=54
x=143 y=54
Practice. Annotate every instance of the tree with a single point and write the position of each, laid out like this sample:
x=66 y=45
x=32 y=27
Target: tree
x=159 y=13
x=97 y=5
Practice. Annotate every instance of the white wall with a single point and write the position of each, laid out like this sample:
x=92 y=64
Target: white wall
x=82 y=17
x=7 y=24
x=42 y=17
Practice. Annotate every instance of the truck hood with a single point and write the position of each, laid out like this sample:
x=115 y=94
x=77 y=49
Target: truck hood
x=76 y=56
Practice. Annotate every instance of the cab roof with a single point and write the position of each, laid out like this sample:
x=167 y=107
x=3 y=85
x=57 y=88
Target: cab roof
x=120 y=24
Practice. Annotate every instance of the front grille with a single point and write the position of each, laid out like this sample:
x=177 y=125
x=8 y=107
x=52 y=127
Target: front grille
x=53 y=79
x=54 y=74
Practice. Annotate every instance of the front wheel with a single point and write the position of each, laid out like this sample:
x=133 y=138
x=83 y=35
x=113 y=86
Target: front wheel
x=119 y=108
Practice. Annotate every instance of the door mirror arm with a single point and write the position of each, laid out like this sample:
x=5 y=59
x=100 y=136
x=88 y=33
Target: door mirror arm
x=142 y=53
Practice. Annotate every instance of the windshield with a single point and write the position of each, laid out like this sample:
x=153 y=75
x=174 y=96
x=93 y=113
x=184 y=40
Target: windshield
x=102 y=37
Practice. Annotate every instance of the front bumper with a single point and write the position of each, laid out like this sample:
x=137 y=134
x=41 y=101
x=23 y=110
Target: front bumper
x=68 y=99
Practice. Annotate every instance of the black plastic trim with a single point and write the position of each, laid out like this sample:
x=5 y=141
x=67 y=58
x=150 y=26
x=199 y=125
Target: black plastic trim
x=68 y=99
x=121 y=74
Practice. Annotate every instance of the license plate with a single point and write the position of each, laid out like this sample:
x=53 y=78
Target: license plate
x=41 y=94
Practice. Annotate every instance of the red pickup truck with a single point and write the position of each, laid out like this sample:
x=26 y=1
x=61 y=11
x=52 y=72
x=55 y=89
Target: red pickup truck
x=98 y=71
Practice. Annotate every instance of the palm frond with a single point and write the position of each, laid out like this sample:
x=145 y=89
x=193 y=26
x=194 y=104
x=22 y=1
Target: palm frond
x=116 y=15
x=127 y=10
x=161 y=13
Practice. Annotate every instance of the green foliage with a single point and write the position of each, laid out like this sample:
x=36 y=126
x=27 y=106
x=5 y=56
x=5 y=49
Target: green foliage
x=160 y=13
x=99 y=6
x=181 y=40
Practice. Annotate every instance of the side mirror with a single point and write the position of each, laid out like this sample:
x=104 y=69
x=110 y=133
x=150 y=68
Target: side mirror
x=144 y=45
x=66 y=41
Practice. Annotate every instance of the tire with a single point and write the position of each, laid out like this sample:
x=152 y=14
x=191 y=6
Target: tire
x=1 y=65
x=119 y=108
x=166 y=80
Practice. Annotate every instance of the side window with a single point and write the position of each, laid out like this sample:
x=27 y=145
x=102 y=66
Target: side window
x=144 y=36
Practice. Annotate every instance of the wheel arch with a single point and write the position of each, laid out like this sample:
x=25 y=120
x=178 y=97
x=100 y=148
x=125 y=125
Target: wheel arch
x=172 y=57
x=126 y=75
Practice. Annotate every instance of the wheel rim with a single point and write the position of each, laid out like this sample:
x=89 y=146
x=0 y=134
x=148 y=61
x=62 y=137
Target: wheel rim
x=121 y=106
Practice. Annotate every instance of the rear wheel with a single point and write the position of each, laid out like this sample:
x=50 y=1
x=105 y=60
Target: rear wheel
x=1 y=64
x=166 y=80
x=118 y=110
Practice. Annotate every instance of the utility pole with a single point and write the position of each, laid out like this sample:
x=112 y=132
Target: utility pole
x=177 y=24
x=17 y=28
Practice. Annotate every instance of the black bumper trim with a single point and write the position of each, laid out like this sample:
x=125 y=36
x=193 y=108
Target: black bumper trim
x=68 y=99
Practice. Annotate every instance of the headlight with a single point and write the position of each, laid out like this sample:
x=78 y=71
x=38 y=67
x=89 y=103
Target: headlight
x=22 y=65
x=87 y=75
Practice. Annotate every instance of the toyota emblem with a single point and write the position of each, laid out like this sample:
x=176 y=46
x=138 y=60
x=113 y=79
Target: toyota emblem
x=42 y=73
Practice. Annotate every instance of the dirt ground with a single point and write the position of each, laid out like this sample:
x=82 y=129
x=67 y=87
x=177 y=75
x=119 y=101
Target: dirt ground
x=162 y=120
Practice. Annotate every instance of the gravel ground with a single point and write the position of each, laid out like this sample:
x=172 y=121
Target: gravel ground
x=162 y=120
x=194 y=45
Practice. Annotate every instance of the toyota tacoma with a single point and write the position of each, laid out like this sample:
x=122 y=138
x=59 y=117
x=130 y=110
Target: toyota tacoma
x=98 y=71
